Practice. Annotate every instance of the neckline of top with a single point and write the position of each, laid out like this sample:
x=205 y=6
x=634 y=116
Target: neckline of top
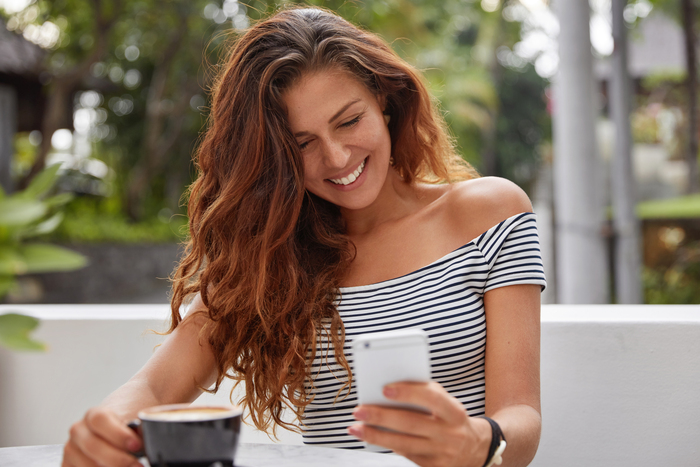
x=455 y=252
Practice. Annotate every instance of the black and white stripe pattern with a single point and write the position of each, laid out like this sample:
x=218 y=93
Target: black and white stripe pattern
x=445 y=299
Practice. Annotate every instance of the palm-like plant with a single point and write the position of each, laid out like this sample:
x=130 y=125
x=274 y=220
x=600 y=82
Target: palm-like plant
x=23 y=215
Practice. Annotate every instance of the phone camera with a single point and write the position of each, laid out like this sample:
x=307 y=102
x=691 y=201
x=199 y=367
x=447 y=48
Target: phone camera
x=366 y=345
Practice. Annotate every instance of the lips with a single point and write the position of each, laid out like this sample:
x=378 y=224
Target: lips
x=349 y=179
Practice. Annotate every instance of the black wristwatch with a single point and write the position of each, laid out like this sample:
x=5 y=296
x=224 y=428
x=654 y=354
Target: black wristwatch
x=498 y=444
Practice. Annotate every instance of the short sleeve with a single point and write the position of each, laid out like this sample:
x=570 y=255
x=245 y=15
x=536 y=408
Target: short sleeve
x=511 y=250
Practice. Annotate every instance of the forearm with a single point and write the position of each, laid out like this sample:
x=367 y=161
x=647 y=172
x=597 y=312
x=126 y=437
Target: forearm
x=175 y=373
x=130 y=398
x=521 y=426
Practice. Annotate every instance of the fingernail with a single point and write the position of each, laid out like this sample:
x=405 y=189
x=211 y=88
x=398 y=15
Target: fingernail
x=356 y=430
x=360 y=414
x=390 y=391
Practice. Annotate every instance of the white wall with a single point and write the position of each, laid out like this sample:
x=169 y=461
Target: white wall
x=620 y=385
x=93 y=349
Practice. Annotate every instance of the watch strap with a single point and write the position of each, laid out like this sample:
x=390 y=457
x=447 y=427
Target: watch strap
x=497 y=446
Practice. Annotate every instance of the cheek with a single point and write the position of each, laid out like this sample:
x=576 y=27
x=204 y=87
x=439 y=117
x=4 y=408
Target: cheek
x=381 y=137
x=311 y=174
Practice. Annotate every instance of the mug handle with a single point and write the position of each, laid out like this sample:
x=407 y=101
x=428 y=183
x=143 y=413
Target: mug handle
x=135 y=426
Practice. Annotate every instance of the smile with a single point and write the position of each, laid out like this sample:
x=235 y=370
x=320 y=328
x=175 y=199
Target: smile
x=350 y=178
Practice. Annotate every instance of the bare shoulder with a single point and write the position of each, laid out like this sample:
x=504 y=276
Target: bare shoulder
x=477 y=205
x=490 y=193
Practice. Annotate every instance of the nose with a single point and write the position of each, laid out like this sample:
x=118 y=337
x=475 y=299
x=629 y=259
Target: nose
x=336 y=154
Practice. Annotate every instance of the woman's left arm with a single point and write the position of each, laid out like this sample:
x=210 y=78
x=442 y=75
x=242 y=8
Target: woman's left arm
x=513 y=368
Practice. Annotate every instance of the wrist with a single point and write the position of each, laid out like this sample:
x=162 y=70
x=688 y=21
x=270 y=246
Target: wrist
x=482 y=442
x=497 y=445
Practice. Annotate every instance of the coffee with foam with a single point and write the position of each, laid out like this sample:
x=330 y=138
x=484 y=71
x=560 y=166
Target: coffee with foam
x=190 y=414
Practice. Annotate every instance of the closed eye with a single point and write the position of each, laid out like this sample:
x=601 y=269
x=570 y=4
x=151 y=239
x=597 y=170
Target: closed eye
x=348 y=124
x=351 y=123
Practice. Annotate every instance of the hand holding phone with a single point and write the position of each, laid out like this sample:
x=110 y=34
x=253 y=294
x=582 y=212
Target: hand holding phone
x=389 y=357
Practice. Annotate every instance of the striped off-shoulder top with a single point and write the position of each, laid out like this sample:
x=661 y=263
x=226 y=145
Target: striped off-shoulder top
x=445 y=299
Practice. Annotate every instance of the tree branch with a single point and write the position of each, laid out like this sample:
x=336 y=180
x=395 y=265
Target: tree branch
x=65 y=84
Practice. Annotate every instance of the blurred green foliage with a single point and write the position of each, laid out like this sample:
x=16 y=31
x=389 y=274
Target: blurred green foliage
x=15 y=330
x=23 y=154
x=661 y=93
x=656 y=80
x=33 y=212
x=645 y=127
x=677 y=283
x=524 y=128
x=90 y=220
x=147 y=67
x=683 y=207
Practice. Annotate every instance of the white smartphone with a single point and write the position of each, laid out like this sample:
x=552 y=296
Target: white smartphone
x=388 y=357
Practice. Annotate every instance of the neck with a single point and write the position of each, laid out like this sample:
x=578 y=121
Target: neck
x=396 y=200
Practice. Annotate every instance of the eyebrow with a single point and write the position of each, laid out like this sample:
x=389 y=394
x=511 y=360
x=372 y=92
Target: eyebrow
x=334 y=117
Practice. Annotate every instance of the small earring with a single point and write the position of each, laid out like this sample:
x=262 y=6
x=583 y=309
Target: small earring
x=391 y=160
x=387 y=118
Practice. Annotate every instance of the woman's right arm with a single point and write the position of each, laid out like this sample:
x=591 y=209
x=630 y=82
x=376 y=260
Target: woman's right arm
x=174 y=373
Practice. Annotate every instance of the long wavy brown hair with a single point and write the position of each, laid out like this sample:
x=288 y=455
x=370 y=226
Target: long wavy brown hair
x=266 y=256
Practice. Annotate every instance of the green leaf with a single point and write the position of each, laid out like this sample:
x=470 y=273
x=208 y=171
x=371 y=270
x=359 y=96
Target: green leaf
x=11 y=261
x=18 y=211
x=40 y=257
x=58 y=200
x=42 y=183
x=14 y=332
x=47 y=226
x=37 y=258
x=5 y=234
x=6 y=284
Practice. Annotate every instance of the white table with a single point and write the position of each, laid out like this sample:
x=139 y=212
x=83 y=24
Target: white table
x=249 y=455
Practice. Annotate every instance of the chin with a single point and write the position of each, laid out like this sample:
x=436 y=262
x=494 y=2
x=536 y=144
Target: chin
x=356 y=203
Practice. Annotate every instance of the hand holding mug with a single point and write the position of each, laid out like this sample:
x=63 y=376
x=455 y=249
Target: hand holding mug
x=101 y=438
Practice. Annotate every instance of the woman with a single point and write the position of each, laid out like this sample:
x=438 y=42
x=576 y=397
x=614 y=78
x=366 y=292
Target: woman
x=320 y=212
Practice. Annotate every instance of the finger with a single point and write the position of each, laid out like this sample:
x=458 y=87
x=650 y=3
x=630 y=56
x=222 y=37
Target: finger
x=98 y=449
x=400 y=443
x=110 y=428
x=74 y=457
x=404 y=421
x=429 y=395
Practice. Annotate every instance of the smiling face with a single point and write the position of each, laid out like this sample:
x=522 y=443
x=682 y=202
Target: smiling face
x=343 y=137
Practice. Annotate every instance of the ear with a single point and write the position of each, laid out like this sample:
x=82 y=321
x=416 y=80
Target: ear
x=381 y=98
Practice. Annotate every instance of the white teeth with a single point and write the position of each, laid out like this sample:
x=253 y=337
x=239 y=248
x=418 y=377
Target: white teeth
x=350 y=178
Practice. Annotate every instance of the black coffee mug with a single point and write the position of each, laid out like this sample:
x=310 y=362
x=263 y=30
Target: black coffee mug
x=183 y=435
